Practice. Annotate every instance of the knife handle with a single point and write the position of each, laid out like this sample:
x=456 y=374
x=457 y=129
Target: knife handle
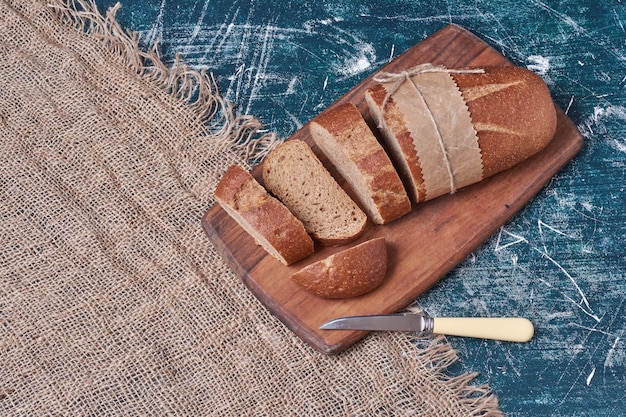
x=497 y=328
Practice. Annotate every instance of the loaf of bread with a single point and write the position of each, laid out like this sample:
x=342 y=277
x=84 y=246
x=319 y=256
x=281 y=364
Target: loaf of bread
x=265 y=218
x=294 y=174
x=509 y=107
x=346 y=140
x=352 y=272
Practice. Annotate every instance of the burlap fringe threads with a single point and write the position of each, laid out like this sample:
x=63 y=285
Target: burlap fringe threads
x=196 y=89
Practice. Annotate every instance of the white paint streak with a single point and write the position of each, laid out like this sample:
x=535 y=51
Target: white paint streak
x=156 y=31
x=511 y=359
x=291 y=88
x=261 y=66
x=236 y=79
x=609 y=361
x=198 y=26
x=596 y=123
x=393 y=50
x=590 y=314
x=331 y=21
x=359 y=61
x=227 y=31
x=426 y=19
x=619 y=21
x=593 y=330
x=252 y=47
x=356 y=66
x=517 y=239
x=590 y=376
x=571 y=278
x=540 y=64
x=571 y=100
x=541 y=225
x=294 y=119
x=581 y=31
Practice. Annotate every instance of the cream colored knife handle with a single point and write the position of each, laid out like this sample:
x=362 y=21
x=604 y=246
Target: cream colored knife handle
x=497 y=328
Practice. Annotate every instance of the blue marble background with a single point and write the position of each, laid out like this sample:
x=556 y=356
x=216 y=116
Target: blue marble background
x=561 y=261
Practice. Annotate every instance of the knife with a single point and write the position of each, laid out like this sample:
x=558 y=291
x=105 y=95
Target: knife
x=510 y=329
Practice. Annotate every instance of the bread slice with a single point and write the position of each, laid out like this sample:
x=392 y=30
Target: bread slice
x=347 y=141
x=511 y=111
x=294 y=174
x=265 y=218
x=349 y=273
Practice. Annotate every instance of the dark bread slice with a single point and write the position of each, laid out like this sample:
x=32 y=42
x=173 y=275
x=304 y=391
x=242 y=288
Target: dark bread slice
x=265 y=218
x=346 y=140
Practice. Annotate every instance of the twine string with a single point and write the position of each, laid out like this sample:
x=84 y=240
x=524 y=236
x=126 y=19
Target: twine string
x=399 y=78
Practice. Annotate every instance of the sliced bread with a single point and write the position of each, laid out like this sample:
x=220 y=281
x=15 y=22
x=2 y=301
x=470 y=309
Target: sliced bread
x=352 y=272
x=265 y=218
x=294 y=174
x=346 y=140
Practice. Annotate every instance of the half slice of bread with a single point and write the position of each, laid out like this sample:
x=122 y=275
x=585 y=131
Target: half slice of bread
x=350 y=145
x=265 y=218
x=349 y=273
x=294 y=174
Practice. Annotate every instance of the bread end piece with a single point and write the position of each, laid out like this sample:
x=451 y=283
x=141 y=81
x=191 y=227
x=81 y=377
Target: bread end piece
x=350 y=145
x=512 y=112
x=352 y=272
x=266 y=219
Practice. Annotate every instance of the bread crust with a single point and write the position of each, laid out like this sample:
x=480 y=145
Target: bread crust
x=406 y=158
x=265 y=218
x=511 y=110
x=342 y=134
x=352 y=272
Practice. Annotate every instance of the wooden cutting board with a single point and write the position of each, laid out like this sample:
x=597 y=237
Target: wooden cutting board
x=423 y=245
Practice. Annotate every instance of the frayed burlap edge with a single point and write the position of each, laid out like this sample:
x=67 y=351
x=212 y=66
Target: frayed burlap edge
x=198 y=91
x=479 y=398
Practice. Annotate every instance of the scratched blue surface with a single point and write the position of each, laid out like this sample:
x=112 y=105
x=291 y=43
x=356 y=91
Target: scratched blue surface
x=561 y=261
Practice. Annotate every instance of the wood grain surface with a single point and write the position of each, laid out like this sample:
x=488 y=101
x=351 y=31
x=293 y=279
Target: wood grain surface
x=424 y=245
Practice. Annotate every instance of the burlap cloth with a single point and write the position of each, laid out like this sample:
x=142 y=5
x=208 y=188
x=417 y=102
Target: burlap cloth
x=112 y=299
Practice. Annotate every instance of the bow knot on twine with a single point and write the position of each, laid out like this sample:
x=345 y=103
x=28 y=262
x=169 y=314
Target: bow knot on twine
x=402 y=77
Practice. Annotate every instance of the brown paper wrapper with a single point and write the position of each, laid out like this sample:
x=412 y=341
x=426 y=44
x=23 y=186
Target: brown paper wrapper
x=444 y=138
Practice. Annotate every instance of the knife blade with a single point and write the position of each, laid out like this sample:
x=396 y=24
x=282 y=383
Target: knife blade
x=510 y=329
